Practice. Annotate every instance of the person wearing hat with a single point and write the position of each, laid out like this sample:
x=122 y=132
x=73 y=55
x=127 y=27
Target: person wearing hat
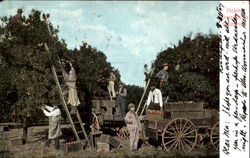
x=154 y=100
x=146 y=73
x=55 y=132
x=163 y=74
x=121 y=95
x=111 y=85
x=18 y=19
x=133 y=123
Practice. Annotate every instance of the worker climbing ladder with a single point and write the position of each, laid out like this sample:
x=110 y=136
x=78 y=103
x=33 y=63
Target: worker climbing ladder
x=145 y=89
x=79 y=120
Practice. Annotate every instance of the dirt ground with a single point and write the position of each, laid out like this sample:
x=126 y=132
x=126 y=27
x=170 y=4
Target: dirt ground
x=38 y=134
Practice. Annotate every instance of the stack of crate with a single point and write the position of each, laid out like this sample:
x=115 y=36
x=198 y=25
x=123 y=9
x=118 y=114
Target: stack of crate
x=188 y=110
x=104 y=107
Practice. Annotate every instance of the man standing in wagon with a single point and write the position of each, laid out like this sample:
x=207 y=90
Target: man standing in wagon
x=55 y=132
x=154 y=100
x=162 y=75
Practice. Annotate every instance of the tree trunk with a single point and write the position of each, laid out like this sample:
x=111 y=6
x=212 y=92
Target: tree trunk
x=25 y=131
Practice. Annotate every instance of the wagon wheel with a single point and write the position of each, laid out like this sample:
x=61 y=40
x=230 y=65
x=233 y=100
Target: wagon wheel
x=214 y=136
x=179 y=135
x=123 y=132
x=95 y=125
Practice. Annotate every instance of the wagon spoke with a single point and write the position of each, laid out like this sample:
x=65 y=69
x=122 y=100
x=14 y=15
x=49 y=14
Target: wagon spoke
x=187 y=146
x=184 y=126
x=170 y=133
x=176 y=126
x=176 y=145
x=188 y=141
x=180 y=125
x=172 y=144
x=169 y=137
x=216 y=141
x=169 y=142
x=189 y=137
x=187 y=129
x=173 y=129
x=182 y=145
x=179 y=144
x=189 y=132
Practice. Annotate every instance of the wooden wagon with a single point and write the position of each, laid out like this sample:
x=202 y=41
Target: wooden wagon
x=105 y=115
x=182 y=125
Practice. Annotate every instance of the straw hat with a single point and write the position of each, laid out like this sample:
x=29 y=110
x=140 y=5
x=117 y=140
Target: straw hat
x=131 y=105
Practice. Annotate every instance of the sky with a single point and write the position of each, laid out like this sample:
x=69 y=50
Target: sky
x=129 y=33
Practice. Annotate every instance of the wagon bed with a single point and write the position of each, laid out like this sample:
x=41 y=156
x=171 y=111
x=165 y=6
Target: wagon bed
x=181 y=125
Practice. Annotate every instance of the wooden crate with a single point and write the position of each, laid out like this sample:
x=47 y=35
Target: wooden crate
x=196 y=115
x=4 y=128
x=103 y=103
x=102 y=147
x=195 y=106
x=16 y=141
x=191 y=106
x=109 y=140
x=70 y=147
x=151 y=116
x=178 y=114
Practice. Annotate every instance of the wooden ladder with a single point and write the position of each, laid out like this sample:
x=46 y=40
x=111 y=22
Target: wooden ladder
x=79 y=120
x=144 y=92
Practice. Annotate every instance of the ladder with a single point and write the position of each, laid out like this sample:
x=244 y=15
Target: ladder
x=145 y=89
x=79 y=120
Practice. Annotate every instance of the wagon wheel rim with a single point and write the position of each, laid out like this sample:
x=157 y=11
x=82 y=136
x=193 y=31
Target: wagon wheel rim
x=95 y=125
x=123 y=132
x=214 y=137
x=179 y=135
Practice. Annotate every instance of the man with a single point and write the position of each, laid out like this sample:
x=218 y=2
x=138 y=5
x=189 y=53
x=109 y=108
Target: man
x=18 y=19
x=133 y=123
x=121 y=99
x=146 y=73
x=55 y=132
x=17 y=25
x=70 y=80
x=162 y=75
x=111 y=85
x=154 y=100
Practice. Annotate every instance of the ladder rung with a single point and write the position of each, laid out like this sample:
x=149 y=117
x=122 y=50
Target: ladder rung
x=80 y=132
x=96 y=133
x=79 y=123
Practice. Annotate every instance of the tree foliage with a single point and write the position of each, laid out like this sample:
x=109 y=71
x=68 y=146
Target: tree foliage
x=26 y=78
x=193 y=69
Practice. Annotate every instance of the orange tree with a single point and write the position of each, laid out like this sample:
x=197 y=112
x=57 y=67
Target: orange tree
x=193 y=69
x=26 y=80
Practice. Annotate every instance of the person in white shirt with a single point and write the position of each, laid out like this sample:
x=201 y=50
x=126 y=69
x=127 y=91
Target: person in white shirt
x=154 y=100
x=55 y=132
x=111 y=85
